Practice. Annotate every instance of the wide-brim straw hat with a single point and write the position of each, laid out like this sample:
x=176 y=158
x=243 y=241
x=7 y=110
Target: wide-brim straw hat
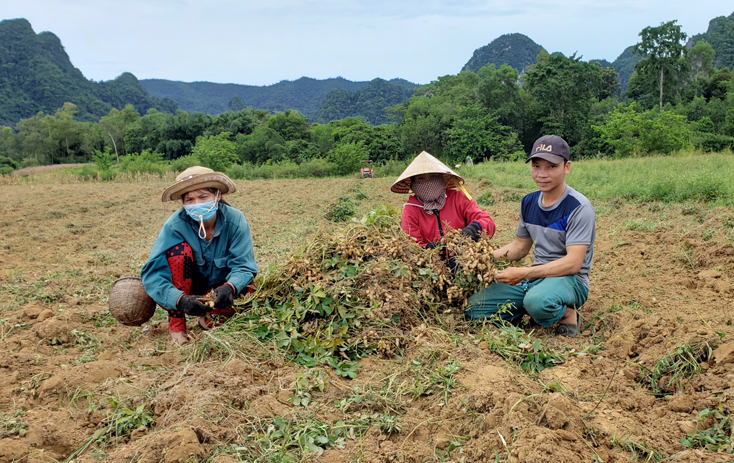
x=195 y=178
x=424 y=163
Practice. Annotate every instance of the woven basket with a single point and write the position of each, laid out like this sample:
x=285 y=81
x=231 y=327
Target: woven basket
x=129 y=303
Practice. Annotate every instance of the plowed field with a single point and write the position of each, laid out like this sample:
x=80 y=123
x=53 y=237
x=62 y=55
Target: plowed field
x=661 y=296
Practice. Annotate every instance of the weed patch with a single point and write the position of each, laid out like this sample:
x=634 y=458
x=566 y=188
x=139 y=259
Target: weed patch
x=641 y=451
x=686 y=257
x=717 y=438
x=428 y=375
x=485 y=199
x=643 y=225
x=511 y=196
x=341 y=211
x=13 y=426
x=119 y=424
x=668 y=372
x=291 y=439
x=516 y=346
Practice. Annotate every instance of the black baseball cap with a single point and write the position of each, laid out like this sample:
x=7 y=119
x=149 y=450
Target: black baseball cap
x=552 y=148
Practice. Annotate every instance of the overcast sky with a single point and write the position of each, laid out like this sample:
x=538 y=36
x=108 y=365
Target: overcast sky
x=261 y=42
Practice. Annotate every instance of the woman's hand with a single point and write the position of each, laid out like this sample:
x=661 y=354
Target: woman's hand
x=225 y=296
x=191 y=306
x=472 y=230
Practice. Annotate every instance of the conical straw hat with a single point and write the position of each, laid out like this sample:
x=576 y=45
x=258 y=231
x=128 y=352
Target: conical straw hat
x=424 y=163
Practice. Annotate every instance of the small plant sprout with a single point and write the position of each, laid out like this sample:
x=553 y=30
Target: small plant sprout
x=717 y=438
x=388 y=424
x=305 y=383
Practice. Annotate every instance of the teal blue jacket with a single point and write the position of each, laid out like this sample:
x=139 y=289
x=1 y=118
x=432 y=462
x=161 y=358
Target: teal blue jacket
x=228 y=257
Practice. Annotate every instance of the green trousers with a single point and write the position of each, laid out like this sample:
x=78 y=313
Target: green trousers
x=545 y=300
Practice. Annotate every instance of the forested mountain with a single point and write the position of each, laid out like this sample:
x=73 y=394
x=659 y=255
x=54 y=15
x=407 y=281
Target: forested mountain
x=625 y=66
x=304 y=95
x=369 y=102
x=515 y=50
x=519 y=51
x=720 y=35
x=126 y=89
x=493 y=113
x=37 y=75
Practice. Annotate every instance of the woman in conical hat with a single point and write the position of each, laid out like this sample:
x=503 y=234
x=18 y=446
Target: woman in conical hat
x=204 y=248
x=439 y=200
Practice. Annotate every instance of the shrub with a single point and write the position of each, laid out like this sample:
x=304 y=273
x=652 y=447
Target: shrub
x=147 y=161
x=705 y=125
x=391 y=168
x=103 y=160
x=7 y=162
x=282 y=169
x=628 y=133
x=316 y=168
x=300 y=151
x=92 y=171
x=480 y=135
x=216 y=152
x=237 y=171
x=709 y=142
x=346 y=158
x=341 y=211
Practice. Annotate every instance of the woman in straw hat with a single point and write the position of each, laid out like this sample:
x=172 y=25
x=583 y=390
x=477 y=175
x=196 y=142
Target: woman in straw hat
x=204 y=247
x=439 y=200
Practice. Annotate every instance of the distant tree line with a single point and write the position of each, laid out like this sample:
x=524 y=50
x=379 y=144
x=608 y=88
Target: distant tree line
x=676 y=99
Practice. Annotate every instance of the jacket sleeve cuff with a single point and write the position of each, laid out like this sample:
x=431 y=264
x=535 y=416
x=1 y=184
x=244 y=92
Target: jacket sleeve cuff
x=240 y=280
x=172 y=298
x=234 y=289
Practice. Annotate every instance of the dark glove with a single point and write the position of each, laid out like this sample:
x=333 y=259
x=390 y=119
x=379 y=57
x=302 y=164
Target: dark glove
x=225 y=296
x=453 y=265
x=433 y=244
x=472 y=230
x=190 y=306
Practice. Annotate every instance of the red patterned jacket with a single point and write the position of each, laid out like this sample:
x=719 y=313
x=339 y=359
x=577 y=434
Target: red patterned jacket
x=457 y=213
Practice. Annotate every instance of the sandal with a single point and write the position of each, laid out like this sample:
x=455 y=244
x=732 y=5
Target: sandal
x=205 y=323
x=215 y=318
x=568 y=330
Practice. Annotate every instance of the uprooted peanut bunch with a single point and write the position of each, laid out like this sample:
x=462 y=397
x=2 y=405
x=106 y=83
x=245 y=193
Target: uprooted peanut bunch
x=361 y=290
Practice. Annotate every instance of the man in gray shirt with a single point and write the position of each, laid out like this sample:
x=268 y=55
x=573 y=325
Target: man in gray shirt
x=560 y=222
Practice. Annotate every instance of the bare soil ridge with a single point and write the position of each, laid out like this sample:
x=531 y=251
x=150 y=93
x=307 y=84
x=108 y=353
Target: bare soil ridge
x=66 y=363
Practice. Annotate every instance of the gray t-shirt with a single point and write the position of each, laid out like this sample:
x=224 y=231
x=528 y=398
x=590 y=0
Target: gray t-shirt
x=569 y=221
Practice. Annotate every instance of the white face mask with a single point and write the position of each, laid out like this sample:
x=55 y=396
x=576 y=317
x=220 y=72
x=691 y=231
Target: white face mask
x=203 y=212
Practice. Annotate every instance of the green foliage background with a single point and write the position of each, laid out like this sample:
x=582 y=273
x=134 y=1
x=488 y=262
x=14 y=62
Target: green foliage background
x=488 y=112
